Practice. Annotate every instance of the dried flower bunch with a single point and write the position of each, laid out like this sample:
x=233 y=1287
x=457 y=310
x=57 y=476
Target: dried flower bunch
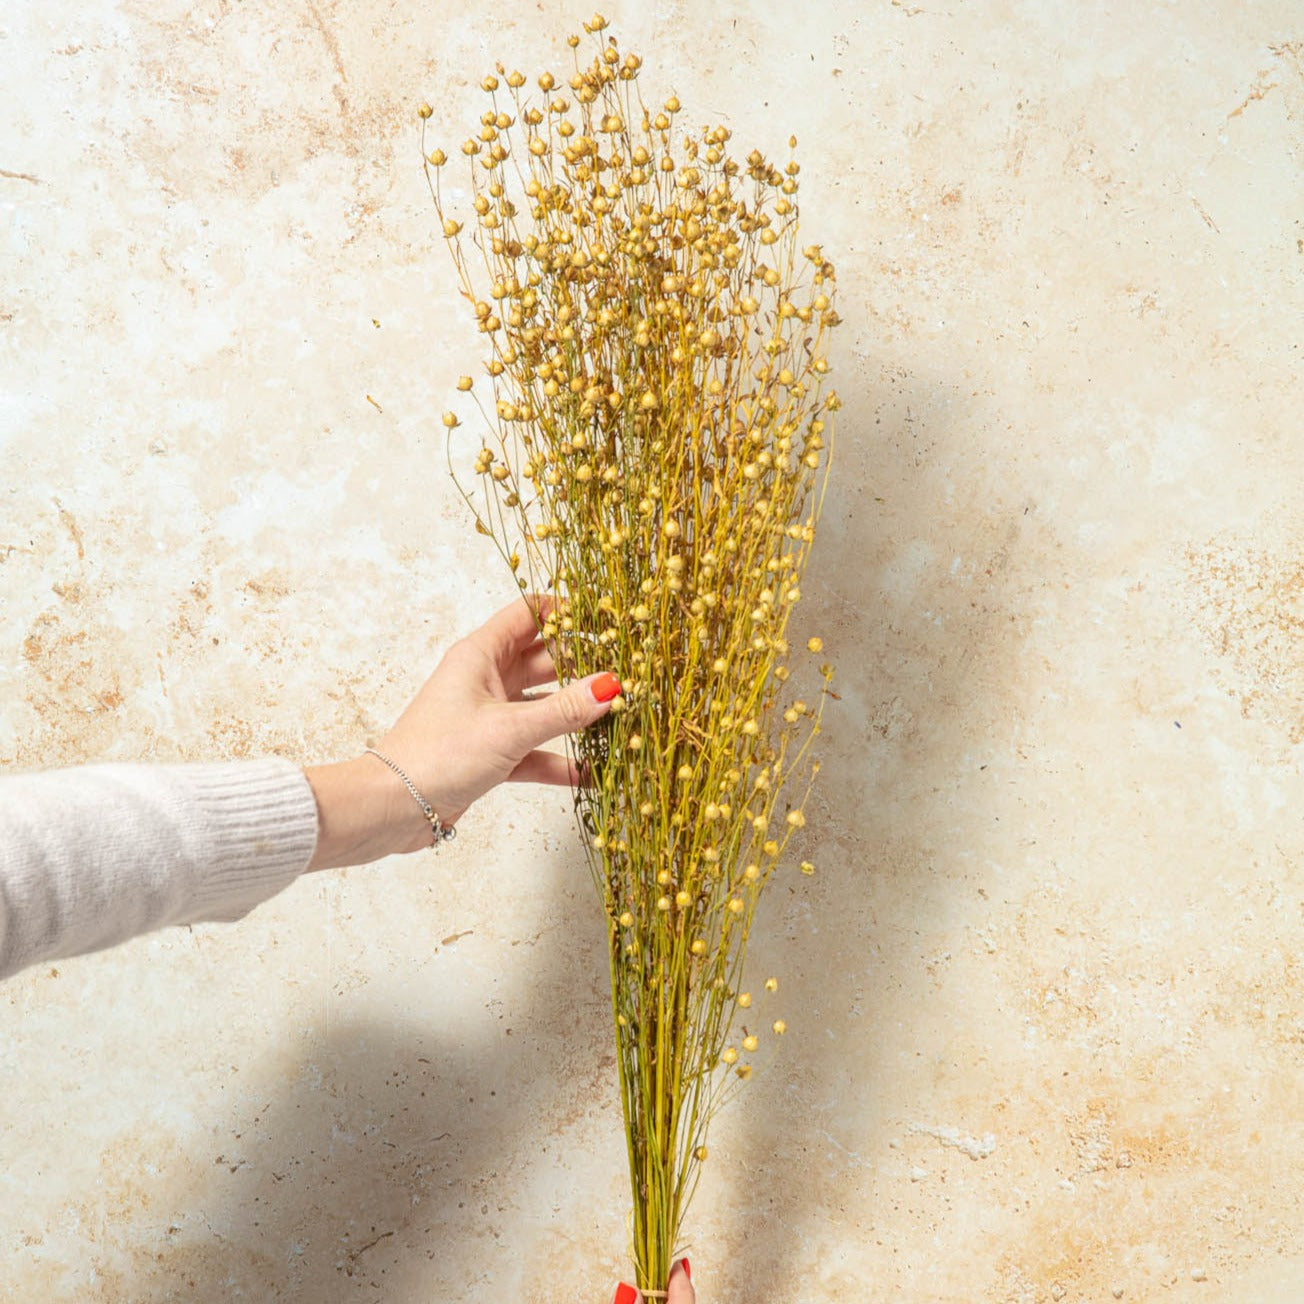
x=652 y=463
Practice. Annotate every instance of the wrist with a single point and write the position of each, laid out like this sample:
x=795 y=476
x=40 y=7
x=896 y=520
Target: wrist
x=440 y=830
x=364 y=813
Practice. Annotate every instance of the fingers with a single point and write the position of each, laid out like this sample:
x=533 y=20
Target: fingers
x=678 y=1291
x=515 y=626
x=547 y=767
x=567 y=710
x=511 y=640
x=535 y=667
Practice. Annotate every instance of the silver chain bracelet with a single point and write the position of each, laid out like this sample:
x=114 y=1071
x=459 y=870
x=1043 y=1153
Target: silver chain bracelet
x=441 y=832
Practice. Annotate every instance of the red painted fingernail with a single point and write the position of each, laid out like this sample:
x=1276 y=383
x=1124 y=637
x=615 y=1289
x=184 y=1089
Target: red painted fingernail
x=604 y=688
x=688 y=1272
x=625 y=1294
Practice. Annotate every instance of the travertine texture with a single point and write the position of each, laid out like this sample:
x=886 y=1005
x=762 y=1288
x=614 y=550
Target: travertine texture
x=1045 y=995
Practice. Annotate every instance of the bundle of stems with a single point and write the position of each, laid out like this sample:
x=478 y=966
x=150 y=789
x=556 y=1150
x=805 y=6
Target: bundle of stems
x=652 y=463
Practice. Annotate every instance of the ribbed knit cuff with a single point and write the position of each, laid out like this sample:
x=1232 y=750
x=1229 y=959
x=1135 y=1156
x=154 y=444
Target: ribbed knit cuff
x=261 y=819
x=92 y=856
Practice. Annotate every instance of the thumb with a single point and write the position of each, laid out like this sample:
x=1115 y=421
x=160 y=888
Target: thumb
x=569 y=709
x=680 y=1287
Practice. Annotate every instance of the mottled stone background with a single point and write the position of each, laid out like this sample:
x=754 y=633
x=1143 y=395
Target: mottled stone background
x=1045 y=992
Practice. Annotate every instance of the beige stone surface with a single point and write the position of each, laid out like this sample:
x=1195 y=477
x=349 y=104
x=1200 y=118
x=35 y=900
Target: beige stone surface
x=1045 y=994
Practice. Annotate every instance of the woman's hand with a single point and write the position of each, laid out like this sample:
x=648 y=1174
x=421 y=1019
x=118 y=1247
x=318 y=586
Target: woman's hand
x=678 y=1291
x=470 y=728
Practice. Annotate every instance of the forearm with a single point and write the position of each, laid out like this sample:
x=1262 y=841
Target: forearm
x=90 y=857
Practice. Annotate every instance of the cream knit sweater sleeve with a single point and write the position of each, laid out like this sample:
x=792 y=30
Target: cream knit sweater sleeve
x=92 y=856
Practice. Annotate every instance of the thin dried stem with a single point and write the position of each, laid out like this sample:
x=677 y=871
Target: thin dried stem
x=654 y=452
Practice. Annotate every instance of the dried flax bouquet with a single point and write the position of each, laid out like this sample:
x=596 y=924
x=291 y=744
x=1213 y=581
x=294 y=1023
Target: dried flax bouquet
x=651 y=467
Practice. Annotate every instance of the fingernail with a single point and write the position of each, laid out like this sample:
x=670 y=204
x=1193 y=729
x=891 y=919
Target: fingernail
x=604 y=688
x=625 y=1294
x=688 y=1272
